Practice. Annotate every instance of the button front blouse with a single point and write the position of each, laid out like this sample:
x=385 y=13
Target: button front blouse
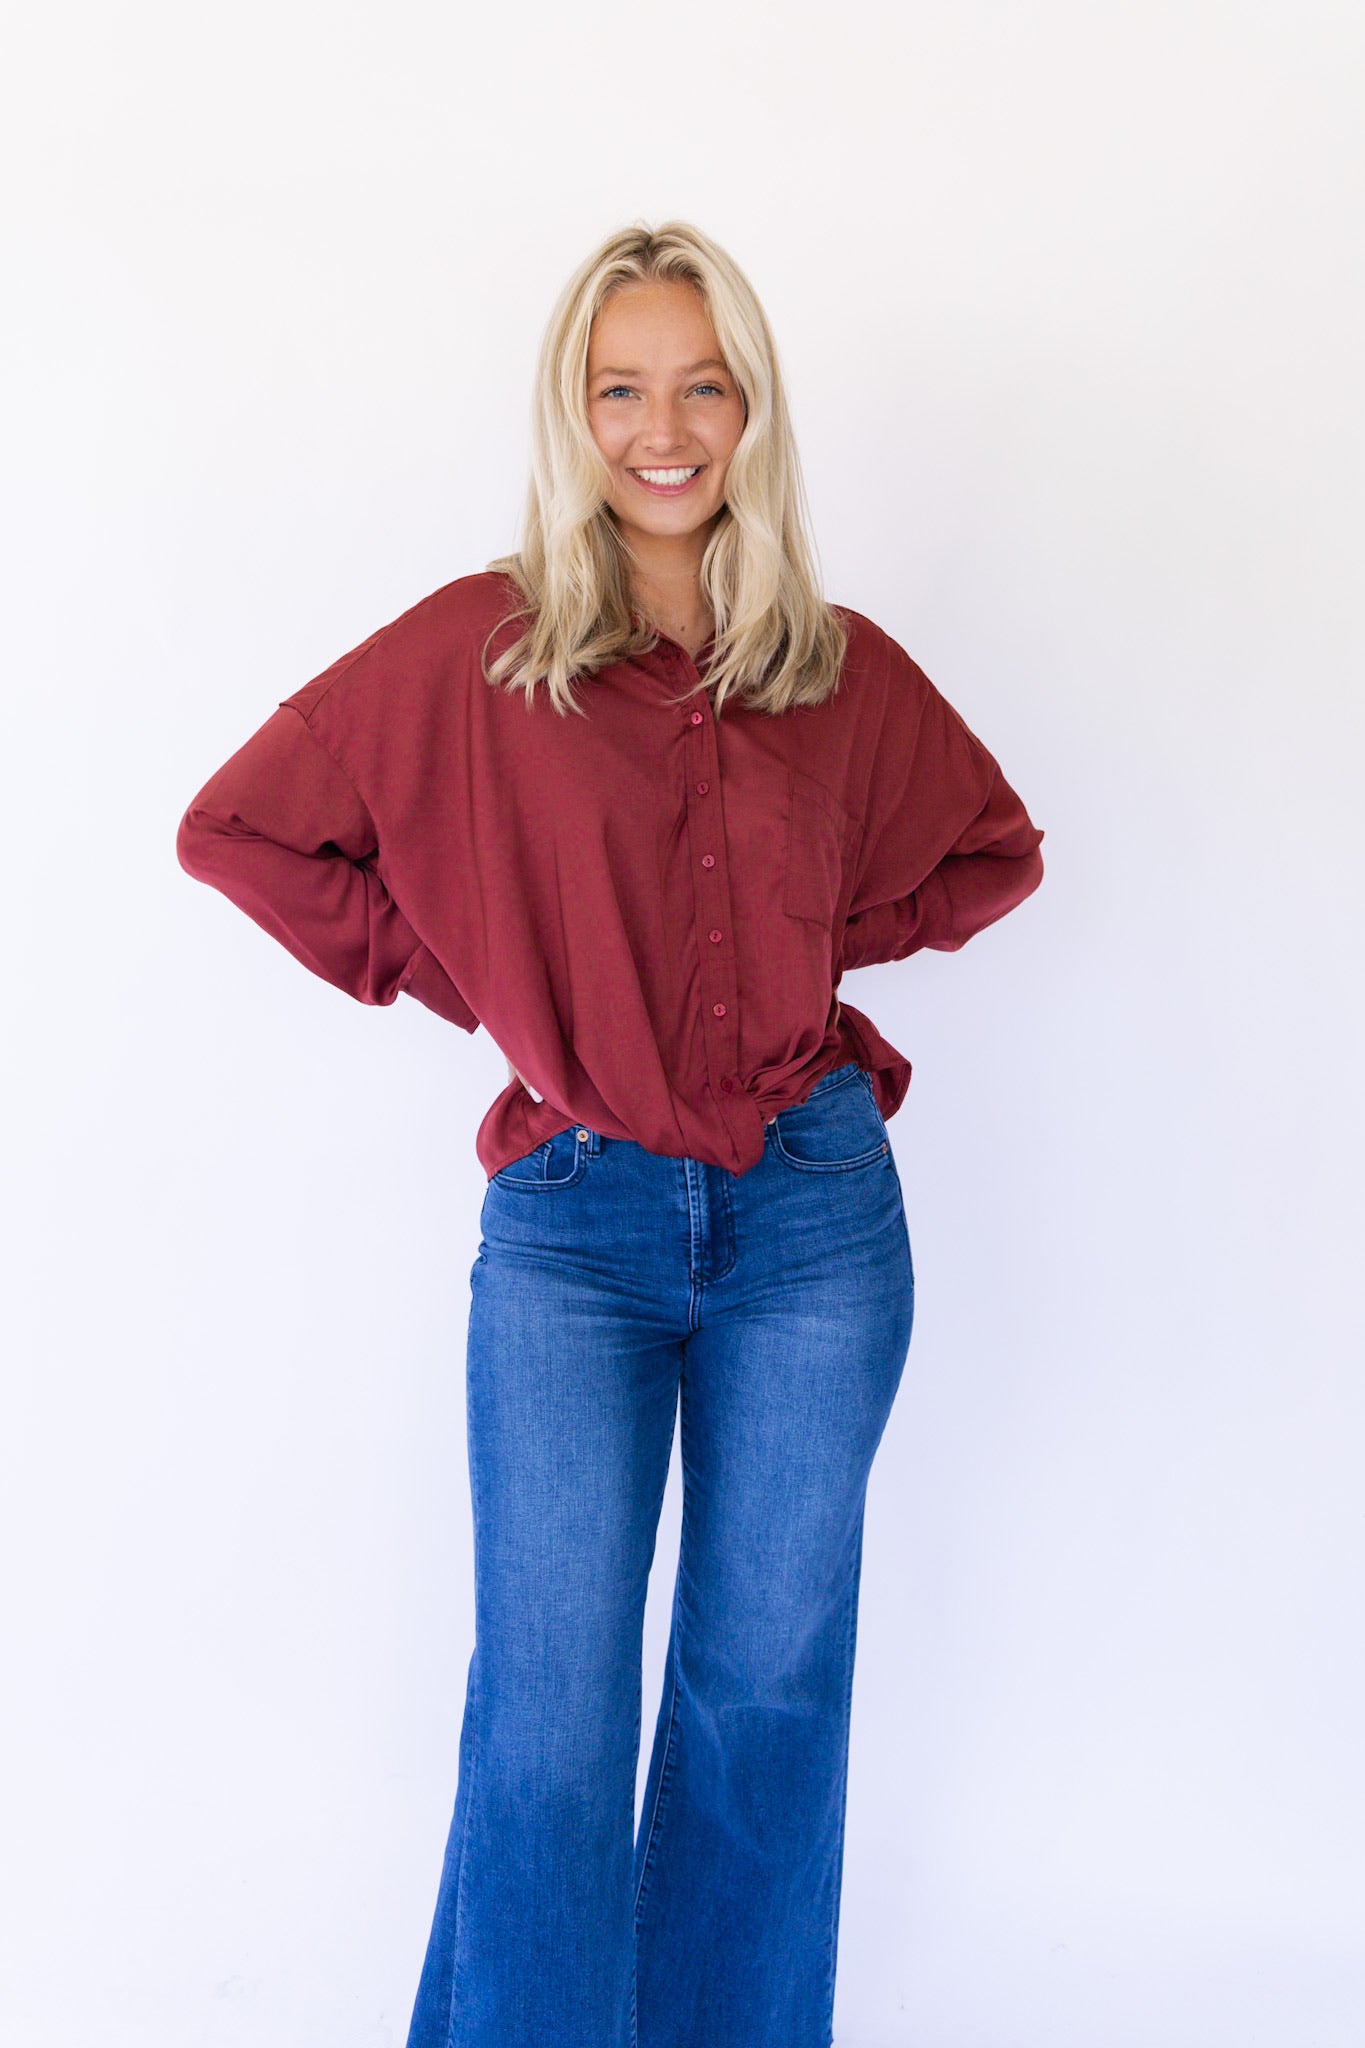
x=649 y=907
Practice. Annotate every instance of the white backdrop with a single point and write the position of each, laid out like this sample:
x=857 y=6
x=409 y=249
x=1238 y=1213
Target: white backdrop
x=1070 y=302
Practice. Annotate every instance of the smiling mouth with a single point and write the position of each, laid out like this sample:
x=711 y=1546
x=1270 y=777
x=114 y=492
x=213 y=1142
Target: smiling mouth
x=667 y=482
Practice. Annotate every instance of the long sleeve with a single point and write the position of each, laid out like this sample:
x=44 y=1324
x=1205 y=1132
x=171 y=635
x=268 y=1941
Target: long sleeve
x=956 y=851
x=282 y=832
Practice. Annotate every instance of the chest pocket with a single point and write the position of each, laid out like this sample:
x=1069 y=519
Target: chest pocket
x=822 y=845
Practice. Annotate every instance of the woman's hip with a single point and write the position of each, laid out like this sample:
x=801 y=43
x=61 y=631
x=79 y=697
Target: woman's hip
x=604 y=1223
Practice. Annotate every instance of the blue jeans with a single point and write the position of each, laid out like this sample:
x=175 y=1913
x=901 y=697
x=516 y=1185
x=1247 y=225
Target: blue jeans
x=779 y=1303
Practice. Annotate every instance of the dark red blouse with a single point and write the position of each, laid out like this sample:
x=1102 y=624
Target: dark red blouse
x=649 y=908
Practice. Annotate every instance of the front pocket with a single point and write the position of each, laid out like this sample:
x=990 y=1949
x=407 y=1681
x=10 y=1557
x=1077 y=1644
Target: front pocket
x=834 y=1130
x=556 y=1162
x=822 y=845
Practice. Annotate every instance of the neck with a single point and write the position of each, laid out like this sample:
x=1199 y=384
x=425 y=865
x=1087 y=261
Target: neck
x=666 y=580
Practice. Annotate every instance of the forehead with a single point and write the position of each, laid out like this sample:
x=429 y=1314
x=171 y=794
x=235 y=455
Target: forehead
x=660 y=323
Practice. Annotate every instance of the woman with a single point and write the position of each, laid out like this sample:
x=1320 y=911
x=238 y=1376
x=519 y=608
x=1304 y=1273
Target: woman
x=633 y=799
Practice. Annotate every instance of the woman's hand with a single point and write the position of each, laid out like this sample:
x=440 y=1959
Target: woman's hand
x=513 y=1075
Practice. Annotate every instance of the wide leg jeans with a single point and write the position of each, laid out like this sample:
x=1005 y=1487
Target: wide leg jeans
x=615 y=1288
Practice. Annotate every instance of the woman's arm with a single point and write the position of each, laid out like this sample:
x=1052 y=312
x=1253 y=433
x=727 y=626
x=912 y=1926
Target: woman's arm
x=956 y=851
x=282 y=832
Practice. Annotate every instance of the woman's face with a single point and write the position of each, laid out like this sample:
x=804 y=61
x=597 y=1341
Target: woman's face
x=664 y=409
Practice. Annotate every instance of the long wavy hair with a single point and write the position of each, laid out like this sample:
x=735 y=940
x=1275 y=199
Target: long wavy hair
x=777 y=642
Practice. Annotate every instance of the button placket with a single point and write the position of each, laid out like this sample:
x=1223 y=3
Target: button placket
x=714 y=911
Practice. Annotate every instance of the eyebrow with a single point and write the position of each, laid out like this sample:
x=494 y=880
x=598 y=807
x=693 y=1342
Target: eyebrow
x=707 y=363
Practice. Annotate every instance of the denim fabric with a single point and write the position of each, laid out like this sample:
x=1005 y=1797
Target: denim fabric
x=776 y=1306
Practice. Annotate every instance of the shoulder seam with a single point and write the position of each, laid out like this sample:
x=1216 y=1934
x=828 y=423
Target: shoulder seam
x=330 y=752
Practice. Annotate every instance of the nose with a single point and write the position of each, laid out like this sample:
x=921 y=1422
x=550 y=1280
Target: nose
x=663 y=429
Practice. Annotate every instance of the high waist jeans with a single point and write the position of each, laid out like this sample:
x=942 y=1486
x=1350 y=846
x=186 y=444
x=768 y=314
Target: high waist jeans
x=612 y=1282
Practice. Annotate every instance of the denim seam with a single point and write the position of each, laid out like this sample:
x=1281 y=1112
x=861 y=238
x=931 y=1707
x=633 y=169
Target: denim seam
x=858 y=1165
x=474 y=1711
x=696 y=1241
x=633 y=2035
x=727 y=1209
x=462 y=1867
x=665 y=1780
x=674 y=1653
x=836 y=1884
x=527 y=1183
x=842 y=1076
x=909 y=1249
x=862 y=1159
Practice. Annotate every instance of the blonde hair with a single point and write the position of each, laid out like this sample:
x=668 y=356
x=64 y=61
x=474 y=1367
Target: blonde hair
x=777 y=642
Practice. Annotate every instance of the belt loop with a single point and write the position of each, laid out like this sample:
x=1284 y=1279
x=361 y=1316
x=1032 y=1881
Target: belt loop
x=590 y=1139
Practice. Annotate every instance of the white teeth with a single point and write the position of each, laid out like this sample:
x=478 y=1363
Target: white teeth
x=666 y=476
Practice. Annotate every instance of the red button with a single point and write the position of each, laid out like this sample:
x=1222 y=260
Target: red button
x=702 y=788
x=726 y=1084
x=717 y=1009
x=708 y=860
x=696 y=718
x=714 y=937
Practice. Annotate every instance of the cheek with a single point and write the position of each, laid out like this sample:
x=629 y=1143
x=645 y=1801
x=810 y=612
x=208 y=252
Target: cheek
x=609 y=438
x=725 y=436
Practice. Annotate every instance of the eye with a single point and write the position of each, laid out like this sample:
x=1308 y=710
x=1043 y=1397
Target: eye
x=711 y=387
x=613 y=389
